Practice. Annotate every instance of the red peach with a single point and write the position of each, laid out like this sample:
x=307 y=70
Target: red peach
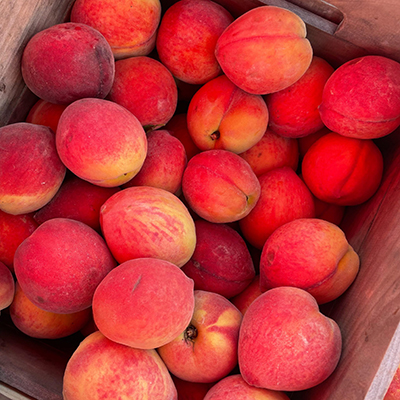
x=164 y=164
x=362 y=98
x=306 y=142
x=191 y=390
x=243 y=300
x=294 y=111
x=220 y=186
x=311 y=254
x=285 y=342
x=284 y=197
x=342 y=170
x=221 y=261
x=177 y=126
x=14 y=229
x=101 y=142
x=207 y=350
x=329 y=212
x=264 y=50
x=41 y=324
x=60 y=265
x=234 y=387
x=143 y=221
x=7 y=286
x=100 y=368
x=45 y=113
x=67 y=62
x=222 y=116
x=187 y=36
x=144 y=303
x=393 y=392
x=272 y=151
x=31 y=171
x=129 y=27
x=76 y=199
x=147 y=89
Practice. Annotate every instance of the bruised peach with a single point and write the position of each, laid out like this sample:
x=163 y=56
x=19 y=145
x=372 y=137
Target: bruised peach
x=129 y=27
x=264 y=50
x=67 y=62
x=166 y=292
x=100 y=367
x=362 y=98
x=144 y=221
x=45 y=113
x=187 y=36
x=220 y=186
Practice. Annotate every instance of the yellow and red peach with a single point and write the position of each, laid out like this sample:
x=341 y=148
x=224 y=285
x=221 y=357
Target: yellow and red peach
x=220 y=186
x=76 y=199
x=14 y=229
x=100 y=368
x=164 y=164
x=221 y=261
x=243 y=300
x=234 y=387
x=311 y=254
x=272 y=151
x=222 y=116
x=187 y=36
x=45 y=113
x=362 y=98
x=294 y=111
x=60 y=265
x=31 y=171
x=67 y=62
x=41 y=324
x=7 y=286
x=343 y=170
x=147 y=89
x=144 y=303
x=129 y=27
x=264 y=50
x=101 y=142
x=143 y=221
x=286 y=343
x=206 y=351
x=284 y=197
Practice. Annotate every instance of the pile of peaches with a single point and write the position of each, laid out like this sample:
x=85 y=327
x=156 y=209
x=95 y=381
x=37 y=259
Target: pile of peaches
x=175 y=195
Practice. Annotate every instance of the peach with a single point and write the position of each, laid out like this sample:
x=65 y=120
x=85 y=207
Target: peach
x=342 y=170
x=14 y=229
x=222 y=116
x=306 y=142
x=243 y=300
x=31 y=171
x=286 y=343
x=7 y=286
x=67 y=62
x=329 y=212
x=294 y=111
x=311 y=254
x=187 y=36
x=60 y=265
x=41 y=324
x=220 y=186
x=272 y=151
x=101 y=142
x=76 y=199
x=143 y=303
x=143 y=221
x=147 y=89
x=164 y=164
x=45 y=113
x=101 y=368
x=206 y=351
x=177 y=126
x=264 y=50
x=191 y=390
x=234 y=387
x=362 y=98
x=284 y=197
x=221 y=261
x=393 y=391
x=129 y=27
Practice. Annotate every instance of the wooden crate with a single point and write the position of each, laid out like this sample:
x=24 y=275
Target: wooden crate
x=368 y=313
